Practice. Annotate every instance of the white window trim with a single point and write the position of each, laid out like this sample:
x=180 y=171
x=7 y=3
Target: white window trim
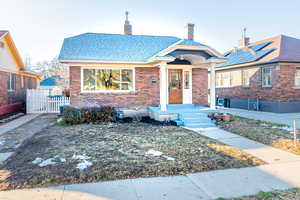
x=262 y=75
x=106 y=91
x=10 y=83
x=296 y=86
x=243 y=76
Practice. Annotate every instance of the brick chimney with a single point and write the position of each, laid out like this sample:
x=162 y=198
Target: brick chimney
x=190 y=31
x=127 y=25
x=244 y=41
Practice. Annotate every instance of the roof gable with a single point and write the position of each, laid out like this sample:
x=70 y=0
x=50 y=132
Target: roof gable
x=11 y=47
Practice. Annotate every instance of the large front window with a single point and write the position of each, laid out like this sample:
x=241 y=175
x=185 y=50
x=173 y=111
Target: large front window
x=105 y=79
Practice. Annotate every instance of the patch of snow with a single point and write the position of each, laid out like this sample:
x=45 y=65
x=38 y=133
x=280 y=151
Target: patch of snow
x=2 y=142
x=60 y=120
x=47 y=162
x=80 y=157
x=84 y=164
x=62 y=160
x=201 y=150
x=37 y=160
x=154 y=152
x=286 y=128
x=169 y=158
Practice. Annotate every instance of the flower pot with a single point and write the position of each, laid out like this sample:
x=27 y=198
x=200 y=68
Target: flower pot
x=226 y=118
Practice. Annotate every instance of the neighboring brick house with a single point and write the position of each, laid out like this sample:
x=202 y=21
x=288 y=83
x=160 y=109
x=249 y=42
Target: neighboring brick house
x=14 y=78
x=262 y=75
x=134 y=71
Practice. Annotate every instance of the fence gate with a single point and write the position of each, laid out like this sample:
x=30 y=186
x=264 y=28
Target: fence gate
x=40 y=101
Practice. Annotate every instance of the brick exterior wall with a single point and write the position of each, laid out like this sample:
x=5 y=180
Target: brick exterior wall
x=200 y=83
x=146 y=94
x=282 y=86
x=18 y=95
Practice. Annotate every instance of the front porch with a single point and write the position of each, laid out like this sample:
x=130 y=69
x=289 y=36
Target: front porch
x=189 y=115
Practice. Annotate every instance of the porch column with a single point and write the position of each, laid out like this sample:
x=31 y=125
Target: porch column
x=212 y=86
x=163 y=87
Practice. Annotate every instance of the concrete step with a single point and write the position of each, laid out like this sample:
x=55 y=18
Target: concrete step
x=192 y=115
x=200 y=126
x=179 y=122
x=197 y=123
x=199 y=120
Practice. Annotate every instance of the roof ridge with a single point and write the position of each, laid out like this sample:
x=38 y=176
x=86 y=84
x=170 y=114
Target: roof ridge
x=124 y=35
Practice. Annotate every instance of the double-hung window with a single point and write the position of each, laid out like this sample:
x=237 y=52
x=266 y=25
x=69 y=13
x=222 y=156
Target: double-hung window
x=245 y=78
x=266 y=77
x=297 y=77
x=11 y=82
x=107 y=79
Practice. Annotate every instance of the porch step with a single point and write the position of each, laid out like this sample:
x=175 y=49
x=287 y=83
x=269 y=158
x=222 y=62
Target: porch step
x=195 y=120
x=201 y=126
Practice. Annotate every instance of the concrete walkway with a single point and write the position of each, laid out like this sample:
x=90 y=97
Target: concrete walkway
x=264 y=152
x=280 y=118
x=16 y=123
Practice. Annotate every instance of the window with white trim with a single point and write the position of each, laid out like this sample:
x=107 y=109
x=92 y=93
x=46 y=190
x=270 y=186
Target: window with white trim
x=266 y=76
x=108 y=79
x=11 y=82
x=245 y=78
x=297 y=77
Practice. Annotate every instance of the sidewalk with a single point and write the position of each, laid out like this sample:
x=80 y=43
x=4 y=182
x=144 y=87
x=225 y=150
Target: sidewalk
x=281 y=173
x=198 y=186
x=16 y=123
x=280 y=118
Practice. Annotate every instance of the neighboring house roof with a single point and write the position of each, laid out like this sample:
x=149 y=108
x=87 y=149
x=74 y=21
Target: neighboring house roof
x=48 y=82
x=117 y=47
x=10 y=45
x=2 y=33
x=275 y=49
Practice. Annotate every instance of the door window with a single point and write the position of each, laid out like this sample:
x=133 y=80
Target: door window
x=175 y=80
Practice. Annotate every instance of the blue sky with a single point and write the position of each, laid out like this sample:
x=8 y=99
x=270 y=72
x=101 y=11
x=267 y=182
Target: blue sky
x=39 y=26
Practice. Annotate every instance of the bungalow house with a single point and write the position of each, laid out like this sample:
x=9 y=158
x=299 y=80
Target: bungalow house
x=138 y=71
x=14 y=78
x=263 y=75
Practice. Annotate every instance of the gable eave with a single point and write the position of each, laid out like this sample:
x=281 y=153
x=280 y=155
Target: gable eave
x=13 y=50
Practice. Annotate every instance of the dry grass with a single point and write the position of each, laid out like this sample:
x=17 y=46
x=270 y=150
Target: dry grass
x=268 y=133
x=117 y=151
x=291 y=194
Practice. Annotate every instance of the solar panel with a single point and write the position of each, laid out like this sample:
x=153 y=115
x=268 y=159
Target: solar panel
x=260 y=46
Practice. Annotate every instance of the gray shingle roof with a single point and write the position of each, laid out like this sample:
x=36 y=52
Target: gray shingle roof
x=117 y=47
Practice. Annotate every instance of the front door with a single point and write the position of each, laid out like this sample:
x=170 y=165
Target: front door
x=175 y=86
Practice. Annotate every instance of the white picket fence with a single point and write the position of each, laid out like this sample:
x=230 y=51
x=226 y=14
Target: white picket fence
x=40 y=101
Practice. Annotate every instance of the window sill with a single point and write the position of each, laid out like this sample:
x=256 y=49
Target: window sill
x=296 y=87
x=108 y=92
x=245 y=87
x=267 y=86
x=10 y=90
